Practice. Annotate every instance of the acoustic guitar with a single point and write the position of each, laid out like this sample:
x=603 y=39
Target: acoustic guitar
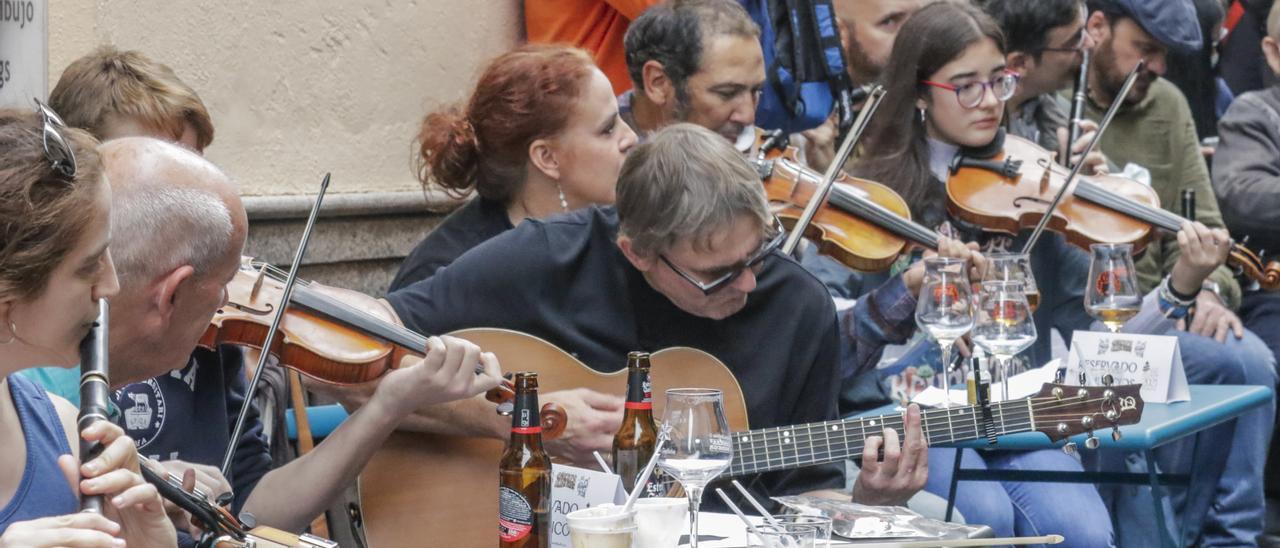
x=442 y=490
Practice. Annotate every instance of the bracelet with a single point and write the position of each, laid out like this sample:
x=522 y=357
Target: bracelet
x=1171 y=306
x=1184 y=300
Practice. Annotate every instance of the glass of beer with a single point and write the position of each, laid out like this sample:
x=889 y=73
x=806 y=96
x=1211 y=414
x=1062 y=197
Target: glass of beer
x=604 y=526
x=1112 y=296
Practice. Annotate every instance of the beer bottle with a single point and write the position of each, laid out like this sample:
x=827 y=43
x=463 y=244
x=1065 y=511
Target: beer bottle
x=634 y=443
x=524 y=491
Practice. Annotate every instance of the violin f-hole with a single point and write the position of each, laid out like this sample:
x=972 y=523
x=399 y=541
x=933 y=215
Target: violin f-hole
x=251 y=310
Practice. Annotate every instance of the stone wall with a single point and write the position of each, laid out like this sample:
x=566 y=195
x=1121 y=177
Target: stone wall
x=298 y=88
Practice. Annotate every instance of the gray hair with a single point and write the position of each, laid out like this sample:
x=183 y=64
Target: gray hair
x=686 y=182
x=157 y=228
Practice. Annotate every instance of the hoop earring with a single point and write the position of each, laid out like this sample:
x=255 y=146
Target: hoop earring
x=564 y=204
x=13 y=333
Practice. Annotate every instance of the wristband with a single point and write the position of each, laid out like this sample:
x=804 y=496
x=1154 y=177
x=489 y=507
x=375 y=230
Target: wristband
x=1184 y=300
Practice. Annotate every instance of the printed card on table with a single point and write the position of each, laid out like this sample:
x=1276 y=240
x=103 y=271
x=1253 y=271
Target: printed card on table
x=575 y=488
x=1153 y=361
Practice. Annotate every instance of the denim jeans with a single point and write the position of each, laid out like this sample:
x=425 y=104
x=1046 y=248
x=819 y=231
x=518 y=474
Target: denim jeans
x=1223 y=506
x=1261 y=314
x=1011 y=508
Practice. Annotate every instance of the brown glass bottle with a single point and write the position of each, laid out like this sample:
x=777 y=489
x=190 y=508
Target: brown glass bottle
x=633 y=444
x=524 y=488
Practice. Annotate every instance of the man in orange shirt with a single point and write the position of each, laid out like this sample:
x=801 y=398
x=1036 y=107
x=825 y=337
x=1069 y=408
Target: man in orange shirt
x=594 y=25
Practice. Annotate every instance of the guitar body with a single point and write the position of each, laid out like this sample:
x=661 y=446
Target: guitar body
x=428 y=489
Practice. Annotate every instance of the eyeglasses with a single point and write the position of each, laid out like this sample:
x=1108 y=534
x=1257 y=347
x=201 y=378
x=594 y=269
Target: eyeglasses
x=755 y=262
x=970 y=95
x=1077 y=47
x=56 y=148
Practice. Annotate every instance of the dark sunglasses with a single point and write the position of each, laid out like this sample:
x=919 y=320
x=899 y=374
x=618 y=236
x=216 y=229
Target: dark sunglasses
x=56 y=148
x=755 y=262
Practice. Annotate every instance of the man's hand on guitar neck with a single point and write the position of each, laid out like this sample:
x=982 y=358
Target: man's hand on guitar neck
x=593 y=419
x=902 y=472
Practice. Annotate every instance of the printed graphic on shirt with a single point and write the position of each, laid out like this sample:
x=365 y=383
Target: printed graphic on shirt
x=143 y=407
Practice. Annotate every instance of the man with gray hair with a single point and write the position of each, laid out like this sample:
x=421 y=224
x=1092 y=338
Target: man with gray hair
x=179 y=228
x=689 y=257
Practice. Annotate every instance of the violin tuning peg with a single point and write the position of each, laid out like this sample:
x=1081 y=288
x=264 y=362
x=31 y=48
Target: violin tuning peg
x=1069 y=448
x=1091 y=442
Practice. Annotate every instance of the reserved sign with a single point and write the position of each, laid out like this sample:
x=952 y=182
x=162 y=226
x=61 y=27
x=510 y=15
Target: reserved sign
x=1153 y=361
x=575 y=488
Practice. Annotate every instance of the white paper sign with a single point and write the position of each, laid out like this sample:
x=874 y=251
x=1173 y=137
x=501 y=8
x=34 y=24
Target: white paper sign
x=1153 y=361
x=575 y=488
x=24 y=52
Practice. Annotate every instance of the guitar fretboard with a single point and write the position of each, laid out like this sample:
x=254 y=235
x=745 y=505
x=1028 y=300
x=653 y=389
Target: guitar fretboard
x=788 y=447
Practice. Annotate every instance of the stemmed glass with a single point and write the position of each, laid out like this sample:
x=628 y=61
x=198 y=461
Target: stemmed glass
x=698 y=445
x=1013 y=267
x=944 y=310
x=1112 y=296
x=1004 y=326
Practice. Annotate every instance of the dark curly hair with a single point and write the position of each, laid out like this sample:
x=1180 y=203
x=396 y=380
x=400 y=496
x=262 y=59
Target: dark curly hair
x=672 y=34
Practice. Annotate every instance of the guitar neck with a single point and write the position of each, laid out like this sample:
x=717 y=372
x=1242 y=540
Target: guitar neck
x=789 y=447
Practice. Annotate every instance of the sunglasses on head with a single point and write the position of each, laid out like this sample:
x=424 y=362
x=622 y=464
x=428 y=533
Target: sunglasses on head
x=56 y=148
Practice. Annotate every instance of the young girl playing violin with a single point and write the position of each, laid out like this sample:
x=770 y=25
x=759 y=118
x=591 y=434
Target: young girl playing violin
x=947 y=85
x=540 y=135
x=54 y=266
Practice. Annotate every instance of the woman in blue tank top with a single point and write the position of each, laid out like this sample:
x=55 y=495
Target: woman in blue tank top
x=54 y=266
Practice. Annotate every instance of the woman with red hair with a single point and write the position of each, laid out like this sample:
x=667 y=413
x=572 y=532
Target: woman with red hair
x=539 y=135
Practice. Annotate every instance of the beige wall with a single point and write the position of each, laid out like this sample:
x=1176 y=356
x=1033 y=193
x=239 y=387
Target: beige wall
x=300 y=87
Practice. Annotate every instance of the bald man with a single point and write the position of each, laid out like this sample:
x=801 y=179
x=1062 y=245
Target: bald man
x=179 y=227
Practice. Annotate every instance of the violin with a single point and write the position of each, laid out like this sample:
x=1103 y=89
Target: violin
x=1008 y=186
x=864 y=224
x=331 y=335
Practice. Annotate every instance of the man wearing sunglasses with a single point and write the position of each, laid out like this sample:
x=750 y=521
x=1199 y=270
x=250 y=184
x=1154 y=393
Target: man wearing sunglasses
x=688 y=257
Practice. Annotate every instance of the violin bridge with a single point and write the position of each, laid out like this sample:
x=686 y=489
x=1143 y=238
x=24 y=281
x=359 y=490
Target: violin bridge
x=257 y=283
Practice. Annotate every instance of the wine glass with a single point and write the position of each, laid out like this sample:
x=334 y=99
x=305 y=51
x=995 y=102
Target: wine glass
x=698 y=445
x=944 y=310
x=1112 y=296
x=1013 y=267
x=1004 y=326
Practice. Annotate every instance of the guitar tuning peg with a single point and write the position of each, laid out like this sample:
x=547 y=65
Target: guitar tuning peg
x=1060 y=376
x=1115 y=433
x=1108 y=380
x=1091 y=442
x=1083 y=379
x=1069 y=448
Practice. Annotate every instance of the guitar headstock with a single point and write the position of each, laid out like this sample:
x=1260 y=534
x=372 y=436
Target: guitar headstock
x=1061 y=411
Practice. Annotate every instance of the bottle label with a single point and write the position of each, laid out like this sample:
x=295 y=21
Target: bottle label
x=515 y=515
x=526 y=429
x=638 y=405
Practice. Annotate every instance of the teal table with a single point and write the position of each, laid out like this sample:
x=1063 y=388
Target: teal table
x=1210 y=405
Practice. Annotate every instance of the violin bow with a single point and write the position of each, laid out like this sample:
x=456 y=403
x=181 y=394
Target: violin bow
x=833 y=170
x=271 y=331
x=1075 y=169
